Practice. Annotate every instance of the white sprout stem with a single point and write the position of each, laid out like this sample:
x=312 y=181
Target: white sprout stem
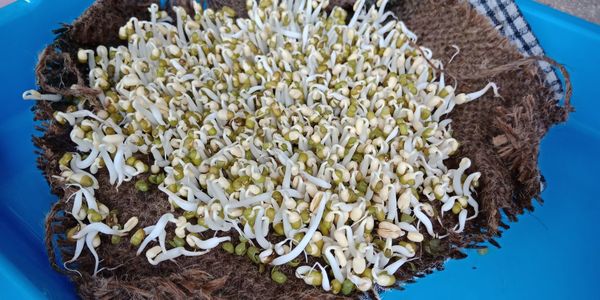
x=392 y=268
x=457 y=178
x=317 y=181
x=251 y=200
x=157 y=229
x=77 y=204
x=258 y=229
x=448 y=204
x=402 y=251
x=90 y=200
x=314 y=224
x=392 y=204
x=215 y=190
x=184 y=204
x=324 y=278
x=210 y=243
x=424 y=219
x=462 y=217
x=195 y=228
x=78 y=249
x=475 y=206
x=468 y=181
x=476 y=95
x=89 y=242
x=333 y=263
x=95 y=228
x=35 y=95
x=174 y=253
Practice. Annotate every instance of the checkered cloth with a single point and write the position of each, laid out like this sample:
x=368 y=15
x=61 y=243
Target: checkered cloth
x=505 y=15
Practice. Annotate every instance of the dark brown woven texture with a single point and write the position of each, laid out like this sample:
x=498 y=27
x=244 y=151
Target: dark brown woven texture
x=500 y=135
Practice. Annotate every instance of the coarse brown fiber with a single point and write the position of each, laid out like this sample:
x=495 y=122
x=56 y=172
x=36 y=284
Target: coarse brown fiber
x=500 y=135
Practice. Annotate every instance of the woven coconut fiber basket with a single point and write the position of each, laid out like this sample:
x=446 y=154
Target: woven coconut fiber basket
x=501 y=135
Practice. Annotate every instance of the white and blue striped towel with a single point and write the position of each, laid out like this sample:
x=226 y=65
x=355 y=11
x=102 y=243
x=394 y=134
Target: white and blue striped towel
x=505 y=15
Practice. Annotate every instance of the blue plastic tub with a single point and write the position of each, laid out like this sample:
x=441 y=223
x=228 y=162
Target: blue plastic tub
x=549 y=254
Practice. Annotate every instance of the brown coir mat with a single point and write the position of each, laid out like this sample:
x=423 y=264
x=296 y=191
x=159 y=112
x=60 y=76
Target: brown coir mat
x=500 y=135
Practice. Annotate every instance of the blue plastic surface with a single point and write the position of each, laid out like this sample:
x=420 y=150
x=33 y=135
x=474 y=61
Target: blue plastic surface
x=549 y=254
x=25 y=27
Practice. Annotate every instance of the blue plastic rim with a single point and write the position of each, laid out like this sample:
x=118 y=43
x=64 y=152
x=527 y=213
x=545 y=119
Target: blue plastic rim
x=551 y=253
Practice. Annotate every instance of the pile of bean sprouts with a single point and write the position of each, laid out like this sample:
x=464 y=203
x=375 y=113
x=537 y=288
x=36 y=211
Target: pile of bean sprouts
x=329 y=135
